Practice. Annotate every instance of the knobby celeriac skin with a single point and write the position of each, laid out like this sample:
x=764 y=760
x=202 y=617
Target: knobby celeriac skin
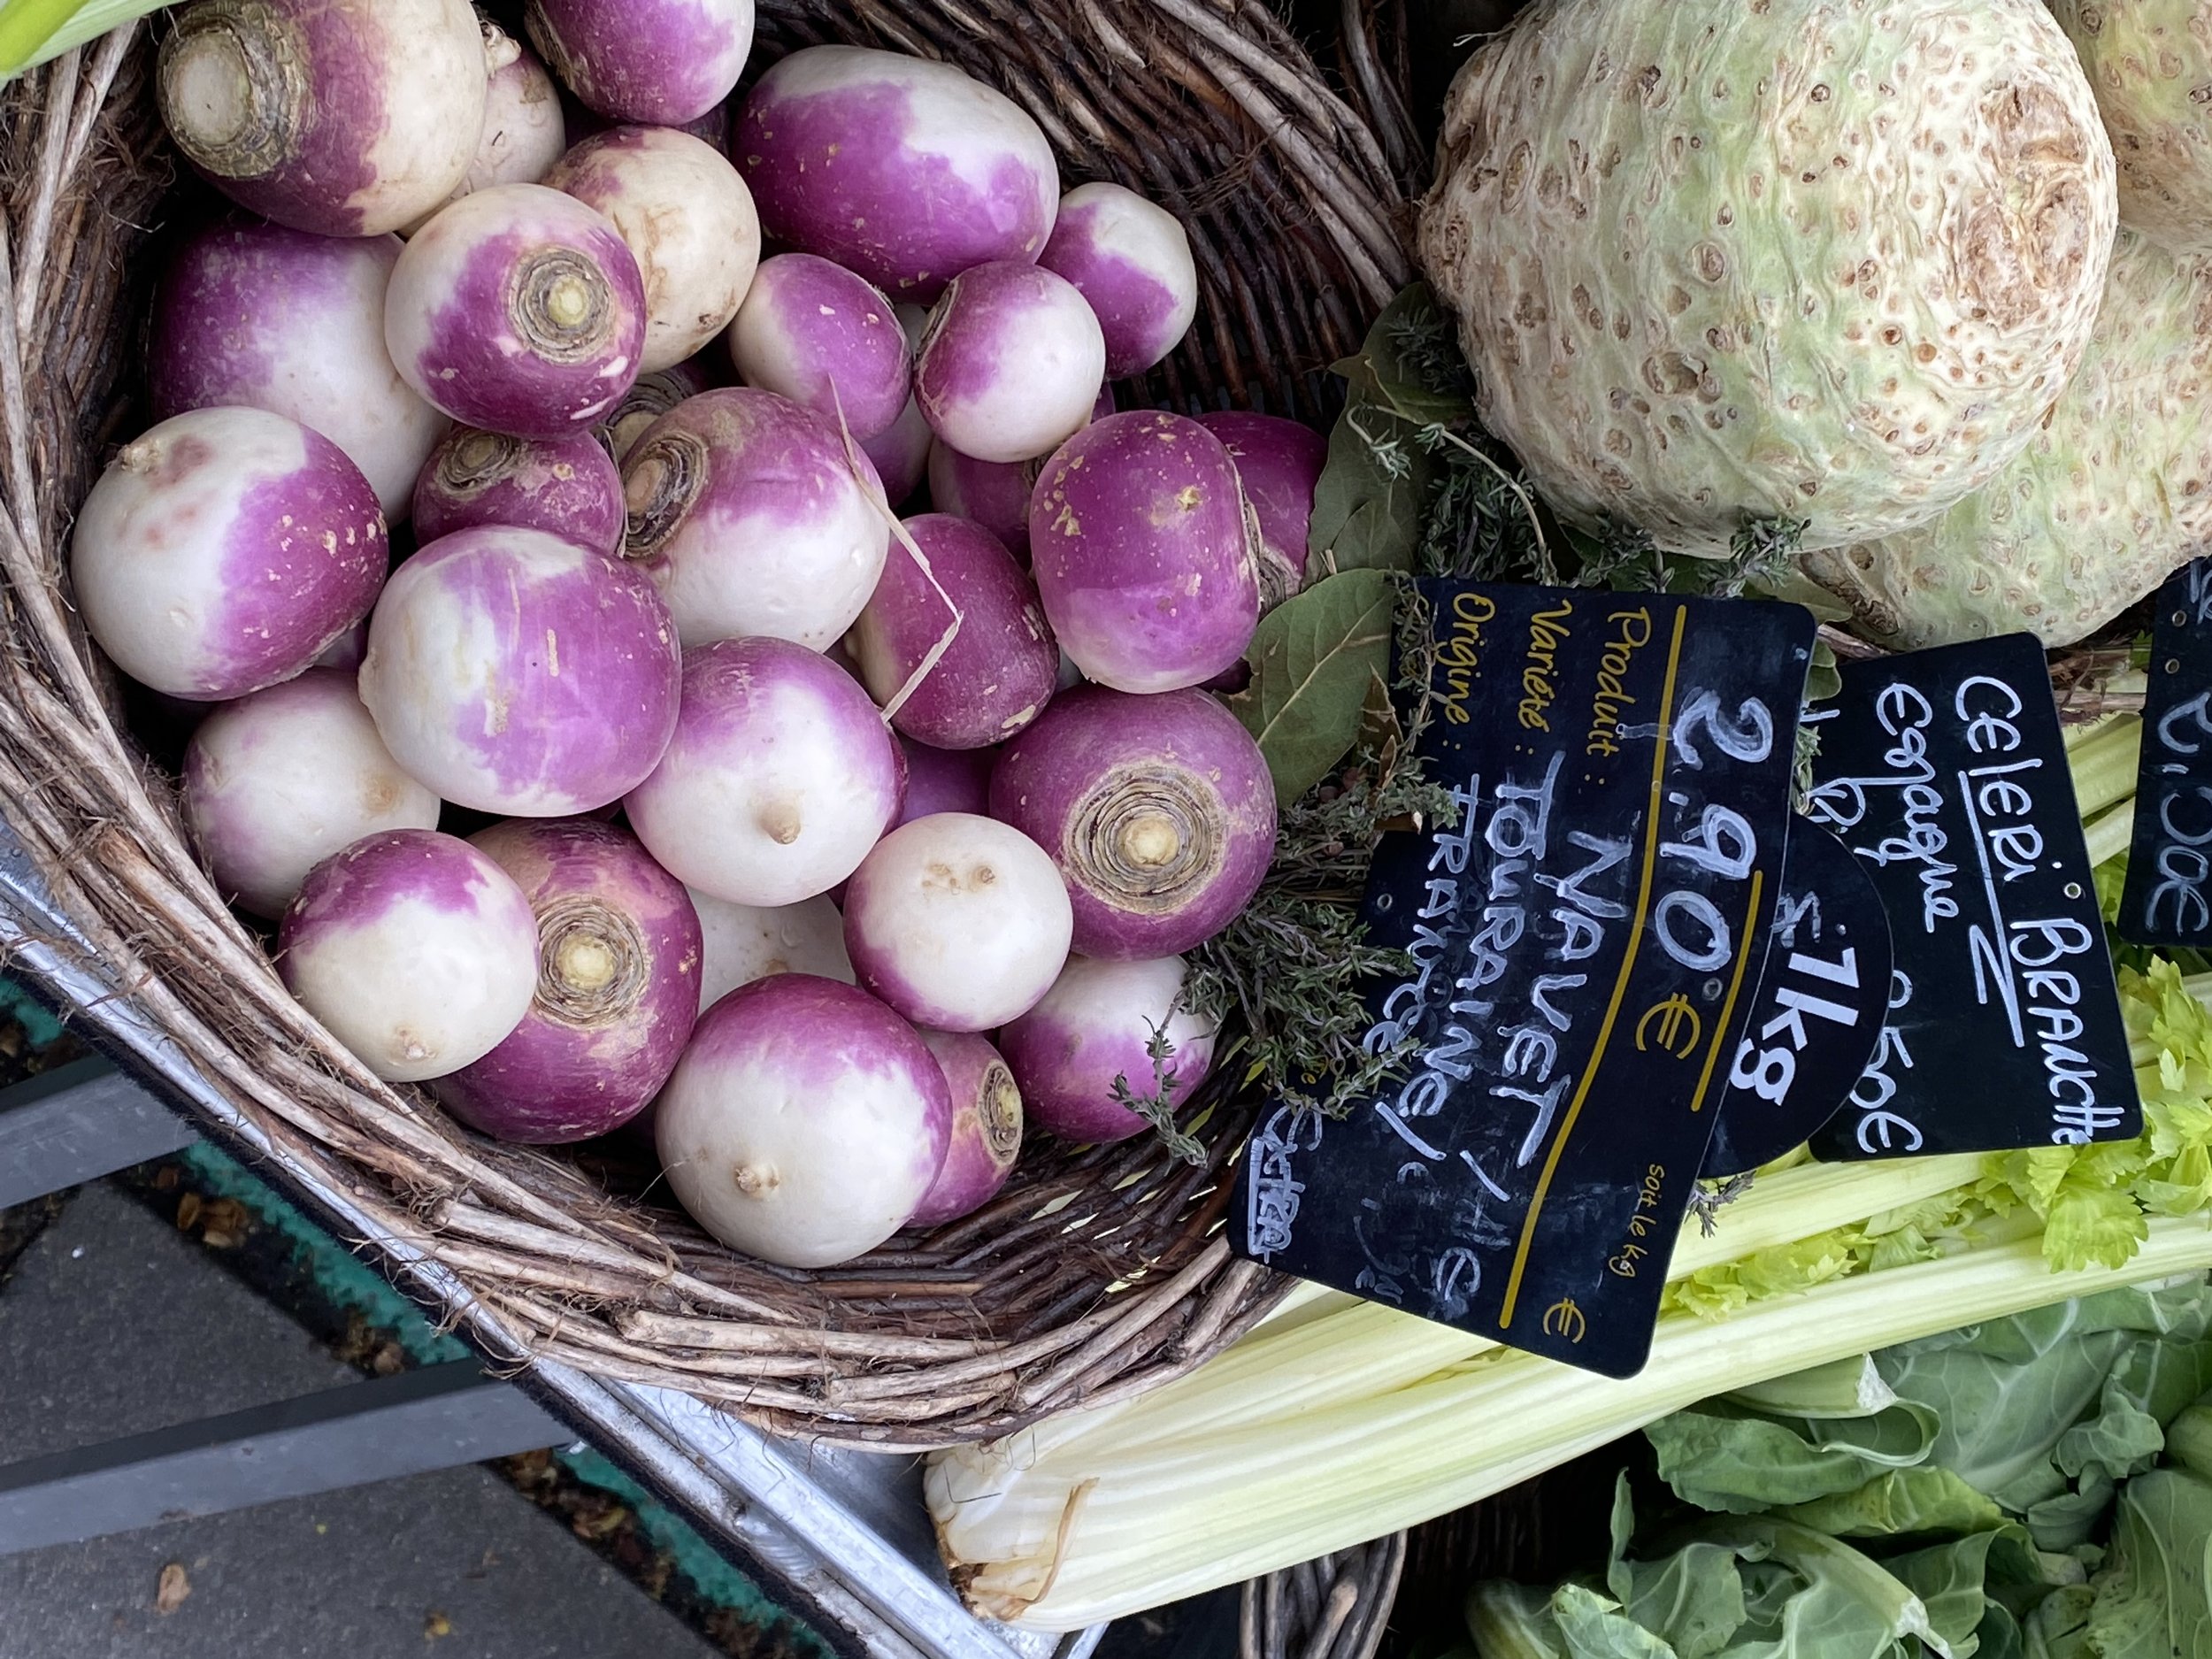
x=1094 y=1026
x=1010 y=362
x=987 y=1128
x=804 y=1122
x=779 y=778
x=524 y=131
x=2148 y=62
x=904 y=170
x=687 y=218
x=2112 y=494
x=663 y=63
x=1131 y=259
x=349 y=120
x=618 y=987
x=1159 y=811
x=417 y=951
x=744 y=942
x=1278 y=464
x=292 y=322
x=997 y=674
x=279 y=780
x=567 y=486
x=1145 y=552
x=959 y=923
x=518 y=309
x=518 y=673
x=825 y=338
x=1815 y=260
x=223 y=551
x=752 y=519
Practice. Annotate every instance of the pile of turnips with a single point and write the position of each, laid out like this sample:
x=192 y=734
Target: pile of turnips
x=809 y=847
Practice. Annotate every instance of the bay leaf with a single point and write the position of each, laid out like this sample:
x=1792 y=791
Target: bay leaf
x=1373 y=494
x=1313 y=659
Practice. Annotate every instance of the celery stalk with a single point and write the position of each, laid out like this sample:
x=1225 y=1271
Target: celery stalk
x=2110 y=835
x=2104 y=764
x=1847 y=1388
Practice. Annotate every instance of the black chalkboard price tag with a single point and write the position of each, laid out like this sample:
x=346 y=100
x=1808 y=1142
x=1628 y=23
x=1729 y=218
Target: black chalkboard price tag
x=2168 y=899
x=1945 y=772
x=1583 y=943
x=1818 y=1012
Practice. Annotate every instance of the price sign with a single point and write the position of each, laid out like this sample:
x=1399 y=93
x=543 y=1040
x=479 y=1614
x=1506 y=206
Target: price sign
x=1945 y=772
x=1585 y=940
x=2168 y=899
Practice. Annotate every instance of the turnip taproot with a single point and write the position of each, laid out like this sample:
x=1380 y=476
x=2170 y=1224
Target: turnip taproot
x=222 y=551
x=346 y=120
x=568 y=487
x=744 y=942
x=1094 y=1029
x=828 y=340
x=294 y=323
x=1131 y=259
x=779 y=778
x=518 y=309
x=417 y=951
x=904 y=170
x=752 y=519
x=1278 y=465
x=278 y=781
x=687 y=218
x=959 y=923
x=662 y=62
x=524 y=131
x=618 y=987
x=518 y=673
x=1159 y=811
x=804 y=1122
x=987 y=1128
x=1010 y=362
x=1145 y=552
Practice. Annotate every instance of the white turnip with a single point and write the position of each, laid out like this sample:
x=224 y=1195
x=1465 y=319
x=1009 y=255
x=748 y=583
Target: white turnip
x=660 y=62
x=518 y=673
x=744 y=942
x=524 y=131
x=960 y=923
x=278 y=781
x=1131 y=259
x=779 y=778
x=568 y=487
x=826 y=339
x=1010 y=362
x=1159 y=811
x=1093 y=1029
x=417 y=951
x=518 y=309
x=804 y=1122
x=1278 y=465
x=224 y=550
x=987 y=1128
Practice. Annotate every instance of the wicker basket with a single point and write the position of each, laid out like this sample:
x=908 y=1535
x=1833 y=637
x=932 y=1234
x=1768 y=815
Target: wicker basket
x=1097 y=1272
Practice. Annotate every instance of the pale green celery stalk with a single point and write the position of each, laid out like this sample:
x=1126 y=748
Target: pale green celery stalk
x=1847 y=1388
x=2110 y=835
x=33 y=31
x=1063 y=1542
x=2104 y=764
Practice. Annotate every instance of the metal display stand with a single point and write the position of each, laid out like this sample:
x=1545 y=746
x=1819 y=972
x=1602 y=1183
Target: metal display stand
x=842 y=1535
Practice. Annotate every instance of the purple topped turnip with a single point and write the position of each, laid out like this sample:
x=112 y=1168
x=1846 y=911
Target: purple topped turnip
x=417 y=951
x=276 y=782
x=292 y=322
x=346 y=119
x=902 y=169
x=1145 y=552
x=685 y=216
x=1278 y=464
x=1159 y=811
x=660 y=62
x=997 y=674
x=1131 y=260
x=518 y=673
x=804 y=1122
x=524 y=131
x=1010 y=363
x=779 y=778
x=519 y=310
x=569 y=486
x=945 y=780
x=224 y=550
x=899 y=453
x=347 y=650
x=959 y=923
x=1095 y=1027
x=745 y=942
x=618 y=987
x=993 y=494
x=649 y=398
x=753 y=520
x=987 y=1128
x=825 y=338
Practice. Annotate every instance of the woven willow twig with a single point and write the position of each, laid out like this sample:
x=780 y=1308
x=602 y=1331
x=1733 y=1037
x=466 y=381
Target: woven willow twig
x=1098 y=1272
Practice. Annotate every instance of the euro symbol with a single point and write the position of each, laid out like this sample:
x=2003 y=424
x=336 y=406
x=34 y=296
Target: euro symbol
x=1673 y=1015
x=1564 y=1319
